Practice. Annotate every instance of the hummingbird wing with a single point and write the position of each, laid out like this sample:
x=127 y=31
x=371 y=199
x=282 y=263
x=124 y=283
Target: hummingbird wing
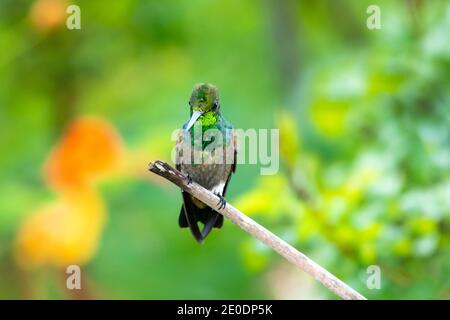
x=219 y=221
x=178 y=148
x=233 y=165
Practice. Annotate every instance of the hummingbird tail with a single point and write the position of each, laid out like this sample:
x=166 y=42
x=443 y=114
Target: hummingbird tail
x=219 y=222
x=190 y=215
x=182 y=221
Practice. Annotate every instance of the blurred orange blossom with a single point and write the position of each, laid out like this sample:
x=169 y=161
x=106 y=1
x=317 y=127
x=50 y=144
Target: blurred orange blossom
x=67 y=230
x=47 y=15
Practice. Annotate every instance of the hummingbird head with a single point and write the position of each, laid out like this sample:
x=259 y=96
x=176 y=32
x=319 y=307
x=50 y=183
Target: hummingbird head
x=205 y=104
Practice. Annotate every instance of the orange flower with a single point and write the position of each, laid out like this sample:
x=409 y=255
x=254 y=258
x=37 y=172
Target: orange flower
x=63 y=233
x=89 y=149
x=48 y=14
x=68 y=230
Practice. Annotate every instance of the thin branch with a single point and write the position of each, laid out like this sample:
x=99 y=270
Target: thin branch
x=280 y=246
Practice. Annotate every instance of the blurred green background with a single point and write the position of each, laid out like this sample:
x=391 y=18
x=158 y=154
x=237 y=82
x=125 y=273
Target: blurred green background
x=364 y=119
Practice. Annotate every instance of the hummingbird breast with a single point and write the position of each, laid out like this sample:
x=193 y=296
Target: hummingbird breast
x=209 y=176
x=209 y=165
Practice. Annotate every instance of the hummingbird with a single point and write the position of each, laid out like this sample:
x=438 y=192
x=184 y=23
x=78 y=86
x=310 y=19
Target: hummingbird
x=217 y=159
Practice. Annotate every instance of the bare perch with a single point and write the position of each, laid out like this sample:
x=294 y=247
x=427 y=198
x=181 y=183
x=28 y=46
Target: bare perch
x=280 y=246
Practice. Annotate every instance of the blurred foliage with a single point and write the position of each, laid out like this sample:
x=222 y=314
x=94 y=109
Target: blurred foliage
x=364 y=123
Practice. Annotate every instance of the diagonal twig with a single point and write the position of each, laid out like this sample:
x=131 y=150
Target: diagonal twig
x=256 y=230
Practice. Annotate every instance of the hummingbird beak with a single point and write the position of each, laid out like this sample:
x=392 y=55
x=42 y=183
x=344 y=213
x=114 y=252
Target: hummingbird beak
x=195 y=115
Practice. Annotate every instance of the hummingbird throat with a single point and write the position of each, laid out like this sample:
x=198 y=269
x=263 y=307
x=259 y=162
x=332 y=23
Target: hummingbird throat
x=208 y=119
x=205 y=129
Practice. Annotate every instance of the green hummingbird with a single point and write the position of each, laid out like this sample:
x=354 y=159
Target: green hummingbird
x=209 y=163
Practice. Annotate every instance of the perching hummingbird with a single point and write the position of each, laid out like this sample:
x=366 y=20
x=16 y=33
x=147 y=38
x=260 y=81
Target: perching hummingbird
x=209 y=163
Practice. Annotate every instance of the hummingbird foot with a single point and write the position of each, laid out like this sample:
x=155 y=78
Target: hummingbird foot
x=189 y=179
x=222 y=202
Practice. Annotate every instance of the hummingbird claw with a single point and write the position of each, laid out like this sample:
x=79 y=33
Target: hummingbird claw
x=222 y=202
